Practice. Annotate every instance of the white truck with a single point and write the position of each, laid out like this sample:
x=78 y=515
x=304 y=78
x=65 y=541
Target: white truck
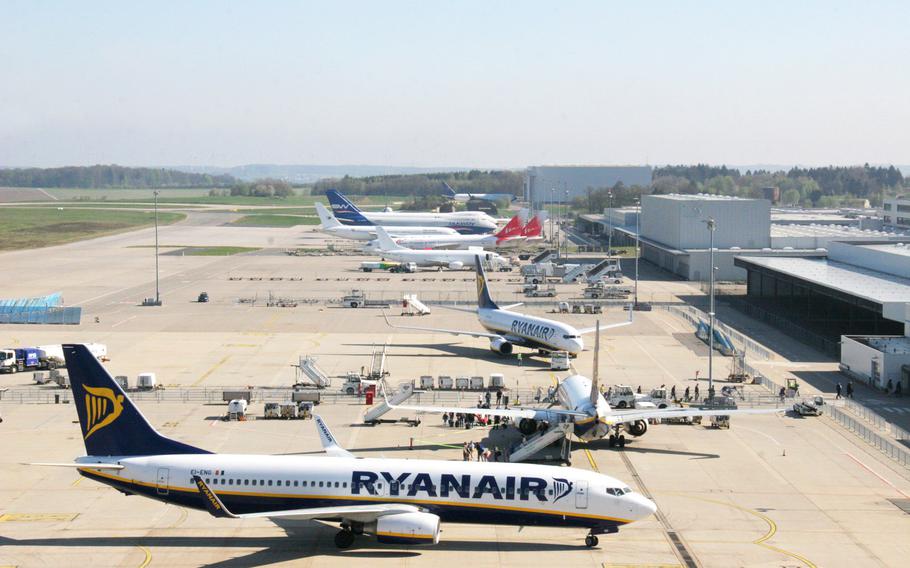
x=358 y=299
x=540 y=290
x=621 y=396
x=559 y=361
x=236 y=409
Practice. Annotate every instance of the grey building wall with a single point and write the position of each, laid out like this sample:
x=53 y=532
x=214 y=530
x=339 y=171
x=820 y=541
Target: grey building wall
x=896 y=212
x=679 y=221
x=540 y=180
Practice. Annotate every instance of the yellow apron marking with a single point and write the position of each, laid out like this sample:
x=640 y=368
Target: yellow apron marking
x=212 y=370
x=772 y=528
x=36 y=517
x=148 y=556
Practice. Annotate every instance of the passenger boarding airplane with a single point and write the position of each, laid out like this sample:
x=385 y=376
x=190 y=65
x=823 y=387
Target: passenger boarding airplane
x=508 y=236
x=507 y=329
x=399 y=501
x=332 y=226
x=452 y=259
x=451 y=194
x=461 y=221
x=586 y=408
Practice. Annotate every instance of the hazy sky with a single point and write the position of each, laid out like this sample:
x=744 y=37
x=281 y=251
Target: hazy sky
x=487 y=84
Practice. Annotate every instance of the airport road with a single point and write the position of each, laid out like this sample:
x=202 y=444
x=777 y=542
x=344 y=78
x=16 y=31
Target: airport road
x=770 y=491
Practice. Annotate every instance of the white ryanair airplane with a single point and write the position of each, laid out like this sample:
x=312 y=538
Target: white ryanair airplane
x=398 y=501
x=585 y=407
x=506 y=329
x=334 y=227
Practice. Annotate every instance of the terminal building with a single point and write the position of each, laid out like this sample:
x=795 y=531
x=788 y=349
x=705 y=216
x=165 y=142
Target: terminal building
x=559 y=184
x=896 y=212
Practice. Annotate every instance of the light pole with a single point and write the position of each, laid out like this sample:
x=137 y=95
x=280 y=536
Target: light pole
x=711 y=228
x=637 y=252
x=550 y=214
x=610 y=222
x=157 y=290
x=565 y=221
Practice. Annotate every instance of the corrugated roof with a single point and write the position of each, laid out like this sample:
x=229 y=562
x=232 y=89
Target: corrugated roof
x=871 y=285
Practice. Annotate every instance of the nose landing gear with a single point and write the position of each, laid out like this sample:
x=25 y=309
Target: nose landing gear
x=616 y=438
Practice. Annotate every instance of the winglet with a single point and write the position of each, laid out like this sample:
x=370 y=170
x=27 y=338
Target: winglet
x=212 y=503
x=329 y=444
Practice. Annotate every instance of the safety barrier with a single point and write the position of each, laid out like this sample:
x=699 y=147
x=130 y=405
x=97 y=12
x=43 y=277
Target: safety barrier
x=876 y=420
x=37 y=315
x=854 y=424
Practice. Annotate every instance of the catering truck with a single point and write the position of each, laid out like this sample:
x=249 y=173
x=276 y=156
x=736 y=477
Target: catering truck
x=17 y=360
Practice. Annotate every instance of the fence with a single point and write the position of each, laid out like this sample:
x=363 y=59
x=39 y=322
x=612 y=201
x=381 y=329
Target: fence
x=57 y=316
x=894 y=451
x=876 y=420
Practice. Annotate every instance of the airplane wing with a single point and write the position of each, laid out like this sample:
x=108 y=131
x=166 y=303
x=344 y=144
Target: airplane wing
x=461 y=309
x=585 y=330
x=79 y=465
x=633 y=415
x=361 y=513
x=513 y=306
x=514 y=413
x=451 y=331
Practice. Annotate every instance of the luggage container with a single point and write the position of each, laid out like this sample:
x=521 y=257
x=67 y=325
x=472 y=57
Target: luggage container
x=446 y=382
x=426 y=382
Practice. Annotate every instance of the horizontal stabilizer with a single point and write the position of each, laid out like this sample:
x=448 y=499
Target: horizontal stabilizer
x=79 y=465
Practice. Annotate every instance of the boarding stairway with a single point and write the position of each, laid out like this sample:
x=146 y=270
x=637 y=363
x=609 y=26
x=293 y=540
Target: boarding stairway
x=537 y=443
x=308 y=368
x=722 y=343
x=405 y=391
x=572 y=274
x=411 y=302
x=603 y=268
x=542 y=257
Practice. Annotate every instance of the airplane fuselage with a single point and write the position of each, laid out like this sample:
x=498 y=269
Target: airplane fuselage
x=536 y=332
x=367 y=233
x=455 y=259
x=464 y=222
x=461 y=492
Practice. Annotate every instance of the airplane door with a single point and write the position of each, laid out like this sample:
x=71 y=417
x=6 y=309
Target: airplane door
x=162 y=482
x=581 y=494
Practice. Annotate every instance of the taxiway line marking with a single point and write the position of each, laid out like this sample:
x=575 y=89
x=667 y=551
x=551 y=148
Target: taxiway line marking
x=591 y=460
x=212 y=370
x=761 y=541
x=148 y=556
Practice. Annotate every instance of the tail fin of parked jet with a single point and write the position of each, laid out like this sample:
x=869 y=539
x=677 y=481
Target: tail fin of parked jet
x=484 y=301
x=447 y=190
x=325 y=217
x=111 y=425
x=385 y=241
x=512 y=229
x=533 y=228
x=344 y=210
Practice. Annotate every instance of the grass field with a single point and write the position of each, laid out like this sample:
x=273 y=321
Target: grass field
x=217 y=251
x=274 y=221
x=75 y=193
x=104 y=205
x=35 y=227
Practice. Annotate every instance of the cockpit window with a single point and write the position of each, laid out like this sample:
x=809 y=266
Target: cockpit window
x=567 y=336
x=618 y=491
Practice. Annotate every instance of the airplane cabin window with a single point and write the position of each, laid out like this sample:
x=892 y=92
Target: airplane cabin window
x=295 y=483
x=336 y=484
x=287 y=482
x=270 y=483
x=246 y=481
x=344 y=484
x=320 y=484
x=207 y=480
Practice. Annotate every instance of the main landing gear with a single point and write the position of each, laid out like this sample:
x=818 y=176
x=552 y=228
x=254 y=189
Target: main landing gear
x=591 y=541
x=344 y=538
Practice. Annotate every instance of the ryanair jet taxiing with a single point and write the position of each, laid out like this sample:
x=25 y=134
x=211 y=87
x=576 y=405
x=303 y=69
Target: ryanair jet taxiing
x=395 y=500
x=506 y=329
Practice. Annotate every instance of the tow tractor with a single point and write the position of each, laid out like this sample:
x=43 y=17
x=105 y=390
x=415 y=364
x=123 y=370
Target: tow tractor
x=812 y=407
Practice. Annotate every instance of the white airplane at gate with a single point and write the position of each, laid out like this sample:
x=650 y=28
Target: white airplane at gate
x=334 y=227
x=400 y=501
x=506 y=329
x=582 y=404
x=444 y=258
x=507 y=237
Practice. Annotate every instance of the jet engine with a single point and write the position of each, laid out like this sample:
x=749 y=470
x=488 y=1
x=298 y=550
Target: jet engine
x=637 y=428
x=406 y=528
x=501 y=346
x=456 y=265
x=527 y=426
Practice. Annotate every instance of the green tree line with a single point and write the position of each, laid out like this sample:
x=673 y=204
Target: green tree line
x=417 y=185
x=108 y=176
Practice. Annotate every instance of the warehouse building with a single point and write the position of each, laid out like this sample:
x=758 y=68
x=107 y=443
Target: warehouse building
x=559 y=184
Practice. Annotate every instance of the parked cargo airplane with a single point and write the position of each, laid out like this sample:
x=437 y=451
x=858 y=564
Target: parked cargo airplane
x=451 y=194
x=452 y=259
x=508 y=236
x=462 y=221
x=505 y=328
x=397 y=501
x=332 y=226
x=585 y=407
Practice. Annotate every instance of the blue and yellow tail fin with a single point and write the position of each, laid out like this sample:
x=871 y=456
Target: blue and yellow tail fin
x=484 y=301
x=111 y=424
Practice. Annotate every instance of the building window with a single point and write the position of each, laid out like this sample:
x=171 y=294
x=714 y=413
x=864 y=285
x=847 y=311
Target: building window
x=887 y=207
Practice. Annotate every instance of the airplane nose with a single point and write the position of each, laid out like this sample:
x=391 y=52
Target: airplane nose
x=642 y=507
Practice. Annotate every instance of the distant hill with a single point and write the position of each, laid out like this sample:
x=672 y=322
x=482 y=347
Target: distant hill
x=308 y=173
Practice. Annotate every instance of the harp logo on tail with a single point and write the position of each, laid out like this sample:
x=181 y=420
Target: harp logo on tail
x=102 y=407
